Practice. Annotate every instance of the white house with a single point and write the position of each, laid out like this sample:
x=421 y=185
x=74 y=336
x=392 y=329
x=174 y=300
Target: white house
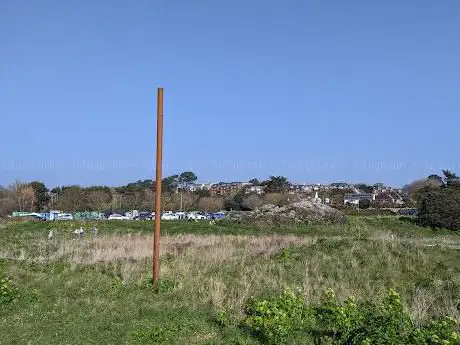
x=255 y=189
x=355 y=198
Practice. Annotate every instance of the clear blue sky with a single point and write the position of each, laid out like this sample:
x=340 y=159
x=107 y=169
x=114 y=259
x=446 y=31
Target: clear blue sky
x=319 y=91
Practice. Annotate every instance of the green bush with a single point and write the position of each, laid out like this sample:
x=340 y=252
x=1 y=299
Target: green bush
x=333 y=321
x=440 y=208
x=277 y=320
x=288 y=320
x=8 y=292
x=163 y=286
x=364 y=204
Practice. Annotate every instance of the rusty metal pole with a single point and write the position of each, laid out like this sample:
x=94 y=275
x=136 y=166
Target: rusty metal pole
x=156 y=233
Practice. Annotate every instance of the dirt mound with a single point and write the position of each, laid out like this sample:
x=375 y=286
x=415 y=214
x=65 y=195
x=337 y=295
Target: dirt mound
x=302 y=212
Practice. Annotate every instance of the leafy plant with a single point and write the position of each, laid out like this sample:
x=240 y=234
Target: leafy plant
x=287 y=255
x=8 y=292
x=164 y=285
x=118 y=284
x=225 y=319
x=287 y=320
x=278 y=319
x=333 y=320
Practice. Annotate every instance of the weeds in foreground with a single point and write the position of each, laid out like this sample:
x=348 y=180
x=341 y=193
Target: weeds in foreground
x=8 y=292
x=94 y=290
x=286 y=319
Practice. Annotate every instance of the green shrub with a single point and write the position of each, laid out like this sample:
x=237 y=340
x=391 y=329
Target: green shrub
x=225 y=319
x=277 y=320
x=288 y=320
x=384 y=324
x=8 y=292
x=364 y=204
x=163 y=286
x=334 y=321
x=288 y=255
x=440 y=207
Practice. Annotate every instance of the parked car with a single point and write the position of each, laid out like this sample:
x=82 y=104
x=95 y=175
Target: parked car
x=144 y=216
x=181 y=215
x=41 y=217
x=206 y=215
x=169 y=216
x=195 y=216
x=218 y=215
x=65 y=216
x=117 y=217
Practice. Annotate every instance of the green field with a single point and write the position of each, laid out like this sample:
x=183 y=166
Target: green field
x=96 y=290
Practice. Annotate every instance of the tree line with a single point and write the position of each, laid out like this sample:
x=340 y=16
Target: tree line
x=35 y=196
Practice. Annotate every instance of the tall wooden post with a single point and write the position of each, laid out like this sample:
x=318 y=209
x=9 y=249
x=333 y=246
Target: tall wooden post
x=159 y=157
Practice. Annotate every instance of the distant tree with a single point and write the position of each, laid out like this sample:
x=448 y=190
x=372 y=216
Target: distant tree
x=251 y=202
x=276 y=184
x=450 y=178
x=7 y=201
x=72 y=198
x=440 y=208
x=135 y=186
x=203 y=193
x=56 y=190
x=449 y=174
x=338 y=184
x=234 y=202
x=170 y=202
x=170 y=184
x=364 y=204
x=25 y=196
x=99 y=198
x=190 y=201
x=408 y=202
x=148 y=200
x=186 y=179
x=42 y=196
x=415 y=189
x=436 y=178
x=176 y=201
x=212 y=204
x=365 y=188
x=277 y=199
x=254 y=182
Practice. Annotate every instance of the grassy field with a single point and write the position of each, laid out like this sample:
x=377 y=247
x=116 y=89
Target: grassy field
x=96 y=290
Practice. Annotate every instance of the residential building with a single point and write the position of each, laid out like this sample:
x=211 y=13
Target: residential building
x=255 y=189
x=198 y=186
x=388 y=196
x=225 y=188
x=355 y=198
x=295 y=188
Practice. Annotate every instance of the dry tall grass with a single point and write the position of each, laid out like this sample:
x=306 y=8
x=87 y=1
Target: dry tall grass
x=226 y=270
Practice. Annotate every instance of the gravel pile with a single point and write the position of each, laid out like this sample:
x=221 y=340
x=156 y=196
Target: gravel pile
x=302 y=212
